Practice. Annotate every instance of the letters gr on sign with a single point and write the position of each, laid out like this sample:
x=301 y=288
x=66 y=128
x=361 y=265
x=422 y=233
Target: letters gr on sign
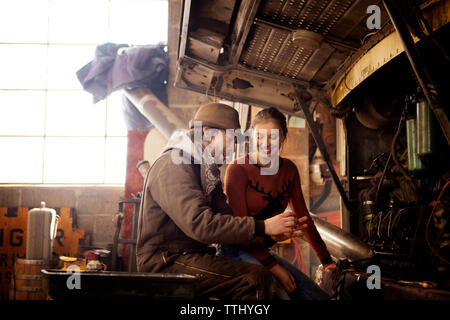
x=14 y=239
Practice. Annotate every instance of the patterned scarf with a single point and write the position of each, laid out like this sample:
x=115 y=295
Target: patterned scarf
x=190 y=152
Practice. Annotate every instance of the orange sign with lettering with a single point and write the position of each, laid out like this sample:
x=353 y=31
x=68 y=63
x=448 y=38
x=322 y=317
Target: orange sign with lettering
x=13 y=235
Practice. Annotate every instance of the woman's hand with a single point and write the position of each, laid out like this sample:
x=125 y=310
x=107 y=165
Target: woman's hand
x=280 y=224
x=285 y=277
x=328 y=274
x=300 y=225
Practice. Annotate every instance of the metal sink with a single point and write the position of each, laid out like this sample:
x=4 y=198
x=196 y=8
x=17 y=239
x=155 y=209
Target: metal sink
x=117 y=285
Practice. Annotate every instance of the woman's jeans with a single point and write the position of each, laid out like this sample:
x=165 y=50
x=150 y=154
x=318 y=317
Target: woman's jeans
x=306 y=288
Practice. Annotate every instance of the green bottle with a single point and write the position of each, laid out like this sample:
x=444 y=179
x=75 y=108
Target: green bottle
x=414 y=162
x=424 y=129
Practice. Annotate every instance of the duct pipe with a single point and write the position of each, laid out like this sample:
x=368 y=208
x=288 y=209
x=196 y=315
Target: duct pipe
x=163 y=118
x=341 y=244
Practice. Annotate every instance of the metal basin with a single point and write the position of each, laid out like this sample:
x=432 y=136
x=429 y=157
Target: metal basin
x=60 y=284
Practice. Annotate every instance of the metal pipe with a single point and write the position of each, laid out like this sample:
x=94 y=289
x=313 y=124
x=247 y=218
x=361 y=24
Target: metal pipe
x=132 y=262
x=163 y=118
x=341 y=244
x=143 y=166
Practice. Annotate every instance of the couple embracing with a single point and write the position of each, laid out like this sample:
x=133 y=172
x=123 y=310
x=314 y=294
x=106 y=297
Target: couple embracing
x=185 y=210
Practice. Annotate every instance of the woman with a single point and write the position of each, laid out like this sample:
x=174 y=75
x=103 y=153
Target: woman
x=250 y=192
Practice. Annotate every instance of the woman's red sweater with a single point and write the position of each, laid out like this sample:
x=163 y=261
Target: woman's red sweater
x=262 y=196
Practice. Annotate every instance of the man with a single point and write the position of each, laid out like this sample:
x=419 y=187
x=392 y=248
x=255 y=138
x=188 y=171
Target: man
x=184 y=209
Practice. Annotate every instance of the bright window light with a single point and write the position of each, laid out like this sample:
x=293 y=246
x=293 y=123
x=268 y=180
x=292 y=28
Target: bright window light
x=63 y=60
x=72 y=113
x=149 y=18
x=23 y=66
x=17 y=15
x=115 y=124
x=74 y=160
x=51 y=131
x=115 y=159
x=22 y=113
x=78 y=21
x=21 y=160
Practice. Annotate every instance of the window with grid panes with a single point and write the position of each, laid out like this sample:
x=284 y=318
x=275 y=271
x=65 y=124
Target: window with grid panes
x=51 y=132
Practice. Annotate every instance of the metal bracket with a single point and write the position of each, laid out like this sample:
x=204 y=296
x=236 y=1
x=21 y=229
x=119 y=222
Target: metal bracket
x=418 y=65
x=304 y=105
x=132 y=242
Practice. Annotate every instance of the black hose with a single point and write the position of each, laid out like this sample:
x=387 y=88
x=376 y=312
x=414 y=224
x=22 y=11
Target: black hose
x=390 y=154
x=315 y=204
x=393 y=156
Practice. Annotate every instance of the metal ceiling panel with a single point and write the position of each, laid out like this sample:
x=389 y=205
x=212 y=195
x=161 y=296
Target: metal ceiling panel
x=253 y=42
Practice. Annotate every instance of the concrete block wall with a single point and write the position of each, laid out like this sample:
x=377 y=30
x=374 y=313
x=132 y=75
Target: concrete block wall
x=95 y=206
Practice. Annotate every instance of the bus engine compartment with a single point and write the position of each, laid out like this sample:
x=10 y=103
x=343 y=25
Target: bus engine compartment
x=387 y=89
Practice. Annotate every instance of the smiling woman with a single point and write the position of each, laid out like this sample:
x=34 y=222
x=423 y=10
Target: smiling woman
x=50 y=130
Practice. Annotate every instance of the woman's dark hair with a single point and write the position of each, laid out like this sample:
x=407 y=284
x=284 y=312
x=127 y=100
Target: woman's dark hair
x=271 y=114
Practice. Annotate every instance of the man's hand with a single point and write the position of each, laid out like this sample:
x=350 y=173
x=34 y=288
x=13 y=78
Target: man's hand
x=285 y=277
x=280 y=224
x=282 y=237
x=300 y=225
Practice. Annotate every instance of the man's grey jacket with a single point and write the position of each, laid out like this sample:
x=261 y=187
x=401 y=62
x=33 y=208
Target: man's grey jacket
x=176 y=216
